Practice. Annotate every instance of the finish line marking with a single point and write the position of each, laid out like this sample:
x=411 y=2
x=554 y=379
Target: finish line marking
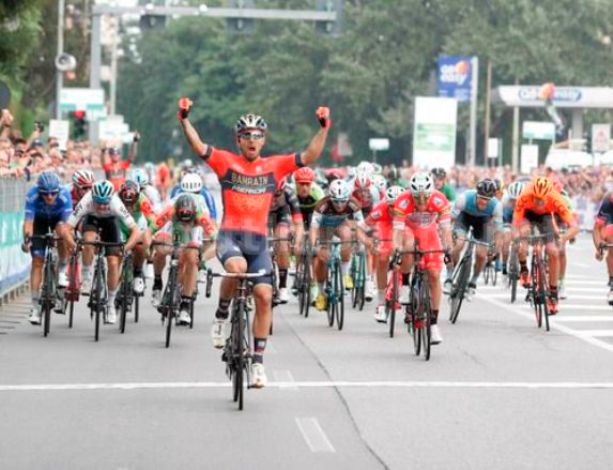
x=306 y=384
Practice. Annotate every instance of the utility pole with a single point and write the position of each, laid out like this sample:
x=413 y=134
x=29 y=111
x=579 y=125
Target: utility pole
x=59 y=75
x=486 y=126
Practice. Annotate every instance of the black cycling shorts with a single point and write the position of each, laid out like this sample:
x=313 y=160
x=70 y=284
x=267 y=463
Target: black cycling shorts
x=107 y=227
x=544 y=224
x=251 y=246
x=42 y=225
x=481 y=226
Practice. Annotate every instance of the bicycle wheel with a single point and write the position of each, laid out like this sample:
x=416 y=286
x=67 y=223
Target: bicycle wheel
x=486 y=274
x=96 y=301
x=494 y=277
x=362 y=275
x=513 y=282
x=331 y=292
x=340 y=304
x=412 y=310
x=425 y=316
x=170 y=310
x=70 y=312
x=136 y=306
x=535 y=291
x=47 y=295
x=544 y=294
x=123 y=306
x=353 y=272
x=239 y=355
x=191 y=314
x=457 y=293
x=391 y=316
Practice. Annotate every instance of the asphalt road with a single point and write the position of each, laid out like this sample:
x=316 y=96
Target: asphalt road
x=497 y=393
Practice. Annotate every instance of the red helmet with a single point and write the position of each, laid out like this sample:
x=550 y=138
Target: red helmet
x=304 y=175
x=83 y=179
x=129 y=192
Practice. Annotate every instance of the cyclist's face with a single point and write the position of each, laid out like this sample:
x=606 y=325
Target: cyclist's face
x=539 y=201
x=50 y=197
x=83 y=191
x=439 y=182
x=421 y=200
x=339 y=206
x=251 y=143
x=482 y=202
x=101 y=207
x=303 y=189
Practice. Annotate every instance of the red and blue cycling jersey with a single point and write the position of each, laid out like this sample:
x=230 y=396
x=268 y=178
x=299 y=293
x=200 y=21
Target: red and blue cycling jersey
x=248 y=187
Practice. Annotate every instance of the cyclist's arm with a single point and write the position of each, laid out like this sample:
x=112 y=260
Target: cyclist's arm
x=316 y=146
x=191 y=134
x=133 y=152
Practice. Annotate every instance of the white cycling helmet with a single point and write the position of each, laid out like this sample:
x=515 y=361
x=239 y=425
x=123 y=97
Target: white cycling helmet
x=365 y=167
x=380 y=182
x=250 y=121
x=191 y=183
x=141 y=177
x=339 y=191
x=515 y=189
x=392 y=194
x=421 y=183
x=362 y=180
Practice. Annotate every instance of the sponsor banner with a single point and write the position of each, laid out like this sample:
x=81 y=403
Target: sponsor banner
x=434 y=134
x=564 y=96
x=14 y=263
x=454 y=77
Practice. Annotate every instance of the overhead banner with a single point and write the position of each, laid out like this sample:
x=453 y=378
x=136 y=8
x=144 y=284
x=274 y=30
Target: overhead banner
x=434 y=132
x=455 y=76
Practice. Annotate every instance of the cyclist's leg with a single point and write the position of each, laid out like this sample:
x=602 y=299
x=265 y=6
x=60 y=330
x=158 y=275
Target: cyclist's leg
x=188 y=271
x=110 y=234
x=547 y=228
x=506 y=247
x=231 y=257
x=89 y=229
x=282 y=251
x=460 y=229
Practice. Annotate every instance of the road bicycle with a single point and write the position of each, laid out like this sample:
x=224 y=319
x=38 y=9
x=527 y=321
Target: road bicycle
x=538 y=291
x=333 y=288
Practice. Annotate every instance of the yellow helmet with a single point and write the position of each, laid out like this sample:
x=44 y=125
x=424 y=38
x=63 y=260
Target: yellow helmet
x=542 y=186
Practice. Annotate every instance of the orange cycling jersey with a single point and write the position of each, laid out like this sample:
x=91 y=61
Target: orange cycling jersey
x=553 y=203
x=117 y=172
x=247 y=188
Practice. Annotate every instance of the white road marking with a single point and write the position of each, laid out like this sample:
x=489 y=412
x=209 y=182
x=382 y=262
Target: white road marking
x=596 y=333
x=602 y=290
x=584 y=318
x=503 y=295
x=582 y=265
x=305 y=384
x=553 y=324
x=285 y=377
x=314 y=435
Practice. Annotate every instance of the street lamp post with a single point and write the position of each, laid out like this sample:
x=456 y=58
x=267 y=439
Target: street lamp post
x=59 y=75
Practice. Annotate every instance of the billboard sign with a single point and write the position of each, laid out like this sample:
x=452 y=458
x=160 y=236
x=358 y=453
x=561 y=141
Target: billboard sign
x=434 y=134
x=454 y=77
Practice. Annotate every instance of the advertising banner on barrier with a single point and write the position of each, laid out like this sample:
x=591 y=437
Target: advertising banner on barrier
x=435 y=132
x=14 y=263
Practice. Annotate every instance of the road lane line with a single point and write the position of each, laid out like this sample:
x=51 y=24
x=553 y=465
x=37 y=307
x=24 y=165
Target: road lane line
x=305 y=384
x=553 y=324
x=285 y=377
x=596 y=333
x=584 y=318
x=314 y=435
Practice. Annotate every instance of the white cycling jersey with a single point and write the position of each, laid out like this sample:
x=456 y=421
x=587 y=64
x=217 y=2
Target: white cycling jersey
x=154 y=197
x=86 y=207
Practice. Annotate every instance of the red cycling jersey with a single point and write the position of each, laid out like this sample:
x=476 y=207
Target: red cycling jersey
x=117 y=172
x=381 y=217
x=247 y=188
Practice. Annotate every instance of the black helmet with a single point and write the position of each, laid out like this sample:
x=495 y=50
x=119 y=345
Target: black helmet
x=185 y=208
x=486 y=188
x=439 y=173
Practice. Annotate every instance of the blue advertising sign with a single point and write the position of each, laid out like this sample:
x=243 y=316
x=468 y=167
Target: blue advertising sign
x=454 y=77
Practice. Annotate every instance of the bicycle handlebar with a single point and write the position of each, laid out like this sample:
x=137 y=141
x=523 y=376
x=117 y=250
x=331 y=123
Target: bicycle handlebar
x=261 y=272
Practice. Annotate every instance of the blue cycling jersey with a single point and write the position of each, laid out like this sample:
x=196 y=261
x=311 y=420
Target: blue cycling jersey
x=37 y=207
x=468 y=203
x=210 y=202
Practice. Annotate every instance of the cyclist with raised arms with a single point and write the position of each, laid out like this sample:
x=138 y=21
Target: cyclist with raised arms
x=477 y=208
x=114 y=167
x=48 y=206
x=536 y=207
x=248 y=183
x=331 y=217
x=100 y=211
x=419 y=213
x=381 y=218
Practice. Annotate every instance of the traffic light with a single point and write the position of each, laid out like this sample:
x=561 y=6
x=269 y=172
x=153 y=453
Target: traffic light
x=240 y=25
x=79 y=125
x=330 y=27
